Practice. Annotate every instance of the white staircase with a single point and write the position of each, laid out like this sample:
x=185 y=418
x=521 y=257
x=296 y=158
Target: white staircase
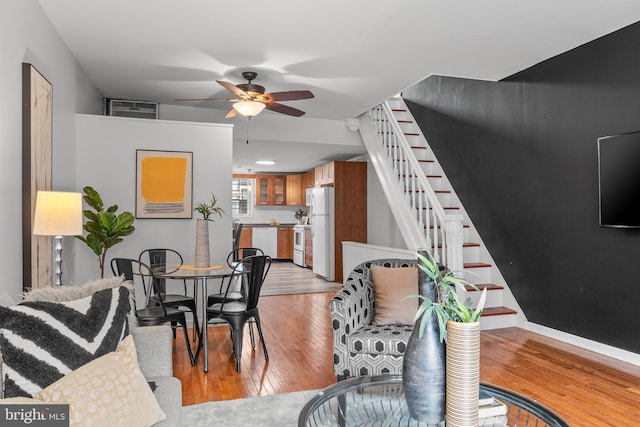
x=427 y=210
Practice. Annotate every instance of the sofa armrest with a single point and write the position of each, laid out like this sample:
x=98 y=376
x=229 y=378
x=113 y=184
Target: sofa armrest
x=155 y=351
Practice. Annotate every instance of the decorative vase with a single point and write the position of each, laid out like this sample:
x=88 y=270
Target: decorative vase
x=202 y=244
x=423 y=367
x=463 y=373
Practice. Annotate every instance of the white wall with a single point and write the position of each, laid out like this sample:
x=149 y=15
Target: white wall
x=382 y=228
x=26 y=35
x=106 y=154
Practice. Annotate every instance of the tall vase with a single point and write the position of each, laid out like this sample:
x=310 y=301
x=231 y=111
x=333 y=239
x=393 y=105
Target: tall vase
x=202 y=244
x=463 y=373
x=423 y=368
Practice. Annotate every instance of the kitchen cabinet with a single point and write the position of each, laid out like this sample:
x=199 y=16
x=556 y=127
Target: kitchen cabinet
x=309 y=181
x=295 y=192
x=308 y=247
x=325 y=174
x=270 y=190
x=246 y=238
x=285 y=242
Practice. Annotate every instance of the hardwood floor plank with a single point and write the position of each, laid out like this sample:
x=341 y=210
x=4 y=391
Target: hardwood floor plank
x=585 y=388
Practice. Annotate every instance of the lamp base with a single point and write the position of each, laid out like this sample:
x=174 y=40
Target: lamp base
x=58 y=248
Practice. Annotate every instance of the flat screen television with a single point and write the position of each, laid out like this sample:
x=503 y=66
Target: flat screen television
x=619 y=180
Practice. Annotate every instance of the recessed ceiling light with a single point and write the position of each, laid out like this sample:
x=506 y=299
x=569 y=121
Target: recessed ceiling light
x=265 y=162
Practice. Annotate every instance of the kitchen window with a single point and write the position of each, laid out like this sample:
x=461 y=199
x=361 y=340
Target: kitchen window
x=241 y=196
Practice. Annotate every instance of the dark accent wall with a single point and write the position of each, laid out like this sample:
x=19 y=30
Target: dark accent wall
x=522 y=155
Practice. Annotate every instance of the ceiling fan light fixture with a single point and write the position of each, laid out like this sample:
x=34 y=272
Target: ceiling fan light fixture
x=249 y=109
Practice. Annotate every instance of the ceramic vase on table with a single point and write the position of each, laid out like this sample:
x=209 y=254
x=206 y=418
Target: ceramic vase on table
x=423 y=368
x=463 y=373
x=202 y=244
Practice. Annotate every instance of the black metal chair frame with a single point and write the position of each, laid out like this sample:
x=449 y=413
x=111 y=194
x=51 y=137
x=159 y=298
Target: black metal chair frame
x=155 y=313
x=158 y=262
x=238 y=313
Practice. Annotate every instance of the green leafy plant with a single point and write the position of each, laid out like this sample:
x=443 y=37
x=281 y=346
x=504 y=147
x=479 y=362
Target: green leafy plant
x=207 y=209
x=104 y=228
x=448 y=305
x=299 y=214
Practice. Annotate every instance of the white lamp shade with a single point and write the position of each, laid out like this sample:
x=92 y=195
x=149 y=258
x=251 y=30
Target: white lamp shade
x=249 y=108
x=58 y=213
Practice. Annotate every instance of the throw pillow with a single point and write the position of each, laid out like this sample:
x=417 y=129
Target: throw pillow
x=390 y=286
x=108 y=391
x=40 y=342
x=70 y=293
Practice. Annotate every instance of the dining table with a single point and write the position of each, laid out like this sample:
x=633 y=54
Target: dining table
x=201 y=276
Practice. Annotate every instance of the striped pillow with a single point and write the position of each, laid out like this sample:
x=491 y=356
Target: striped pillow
x=40 y=342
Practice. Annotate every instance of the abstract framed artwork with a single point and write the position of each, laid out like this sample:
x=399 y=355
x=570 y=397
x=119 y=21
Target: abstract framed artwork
x=37 y=131
x=164 y=184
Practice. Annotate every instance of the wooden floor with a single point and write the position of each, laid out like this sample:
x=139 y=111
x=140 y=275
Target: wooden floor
x=585 y=388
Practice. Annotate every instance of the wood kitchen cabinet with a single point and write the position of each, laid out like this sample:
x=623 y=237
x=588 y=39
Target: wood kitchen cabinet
x=325 y=174
x=270 y=190
x=309 y=181
x=246 y=237
x=285 y=243
x=308 y=247
x=296 y=193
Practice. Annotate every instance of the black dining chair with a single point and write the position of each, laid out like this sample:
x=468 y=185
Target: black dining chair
x=238 y=312
x=156 y=312
x=166 y=261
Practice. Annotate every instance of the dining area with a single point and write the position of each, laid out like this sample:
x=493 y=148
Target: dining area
x=225 y=293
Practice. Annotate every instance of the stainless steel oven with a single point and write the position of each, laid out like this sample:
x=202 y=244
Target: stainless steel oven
x=298 y=245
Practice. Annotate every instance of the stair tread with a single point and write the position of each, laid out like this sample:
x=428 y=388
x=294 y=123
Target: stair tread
x=476 y=265
x=437 y=226
x=481 y=286
x=464 y=245
x=435 y=191
x=497 y=311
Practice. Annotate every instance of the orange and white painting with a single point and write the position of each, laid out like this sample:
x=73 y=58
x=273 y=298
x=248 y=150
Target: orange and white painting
x=163 y=188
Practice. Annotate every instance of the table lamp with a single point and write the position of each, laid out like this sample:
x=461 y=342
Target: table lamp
x=58 y=214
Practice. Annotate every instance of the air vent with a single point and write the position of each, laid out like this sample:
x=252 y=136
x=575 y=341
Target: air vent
x=135 y=109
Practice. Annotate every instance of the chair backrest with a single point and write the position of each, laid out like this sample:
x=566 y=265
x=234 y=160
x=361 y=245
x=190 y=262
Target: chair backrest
x=133 y=269
x=159 y=260
x=240 y=253
x=259 y=266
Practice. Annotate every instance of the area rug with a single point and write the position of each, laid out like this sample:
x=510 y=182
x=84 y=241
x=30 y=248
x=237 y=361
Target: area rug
x=279 y=410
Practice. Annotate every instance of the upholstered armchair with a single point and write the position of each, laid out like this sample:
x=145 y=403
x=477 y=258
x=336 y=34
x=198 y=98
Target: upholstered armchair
x=359 y=346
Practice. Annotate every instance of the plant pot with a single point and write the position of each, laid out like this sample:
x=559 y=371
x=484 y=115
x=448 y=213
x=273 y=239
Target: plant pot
x=463 y=373
x=423 y=367
x=202 y=244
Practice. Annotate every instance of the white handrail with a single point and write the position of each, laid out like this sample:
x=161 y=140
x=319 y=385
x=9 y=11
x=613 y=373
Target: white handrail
x=417 y=191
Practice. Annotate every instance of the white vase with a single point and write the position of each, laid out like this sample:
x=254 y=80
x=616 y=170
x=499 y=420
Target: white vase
x=202 y=244
x=463 y=373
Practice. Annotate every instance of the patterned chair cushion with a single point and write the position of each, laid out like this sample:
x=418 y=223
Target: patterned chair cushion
x=376 y=339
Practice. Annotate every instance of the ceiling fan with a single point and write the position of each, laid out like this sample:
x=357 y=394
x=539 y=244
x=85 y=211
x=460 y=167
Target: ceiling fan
x=251 y=99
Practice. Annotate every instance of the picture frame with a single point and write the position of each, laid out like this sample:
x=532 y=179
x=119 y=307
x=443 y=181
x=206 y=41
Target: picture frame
x=164 y=184
x=37 y=134
x=305 y=220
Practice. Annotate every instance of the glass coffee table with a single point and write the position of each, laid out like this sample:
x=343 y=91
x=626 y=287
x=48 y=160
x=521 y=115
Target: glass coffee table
x=379 y=401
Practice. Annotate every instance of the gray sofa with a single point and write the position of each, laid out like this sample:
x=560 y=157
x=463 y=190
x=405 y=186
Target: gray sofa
x=154 y=348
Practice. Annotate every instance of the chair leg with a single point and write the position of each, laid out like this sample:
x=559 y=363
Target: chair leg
x=187 y=342
x=236 y=338
x=251 y=334
x=264 y=346
x=197 y=332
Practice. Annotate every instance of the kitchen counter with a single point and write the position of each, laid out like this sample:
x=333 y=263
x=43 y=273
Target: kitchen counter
x=266 y=224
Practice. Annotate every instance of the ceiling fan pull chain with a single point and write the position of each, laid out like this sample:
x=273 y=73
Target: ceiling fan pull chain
x=248 y=124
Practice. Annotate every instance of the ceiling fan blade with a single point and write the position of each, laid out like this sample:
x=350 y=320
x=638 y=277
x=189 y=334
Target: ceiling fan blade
x=232 y=88
x=284 y=109
x=232 y=113
x=291 y=95
x=207 y=99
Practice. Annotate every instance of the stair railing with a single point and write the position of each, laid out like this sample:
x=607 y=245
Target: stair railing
x=439 y=231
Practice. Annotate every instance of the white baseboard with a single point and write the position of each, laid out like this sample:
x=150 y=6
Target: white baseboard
x=604 y=349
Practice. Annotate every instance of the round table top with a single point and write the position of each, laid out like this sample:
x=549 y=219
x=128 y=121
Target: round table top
x=379 y=401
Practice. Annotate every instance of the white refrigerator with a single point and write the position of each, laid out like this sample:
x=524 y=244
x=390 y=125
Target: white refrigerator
x=322 y=228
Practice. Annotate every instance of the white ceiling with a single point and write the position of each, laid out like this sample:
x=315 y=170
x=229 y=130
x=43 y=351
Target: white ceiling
x=351 y=54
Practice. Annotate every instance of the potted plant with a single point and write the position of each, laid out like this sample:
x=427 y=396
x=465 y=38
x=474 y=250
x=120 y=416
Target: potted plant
x=104 y=228
x=459 y=325
x=208 y=210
